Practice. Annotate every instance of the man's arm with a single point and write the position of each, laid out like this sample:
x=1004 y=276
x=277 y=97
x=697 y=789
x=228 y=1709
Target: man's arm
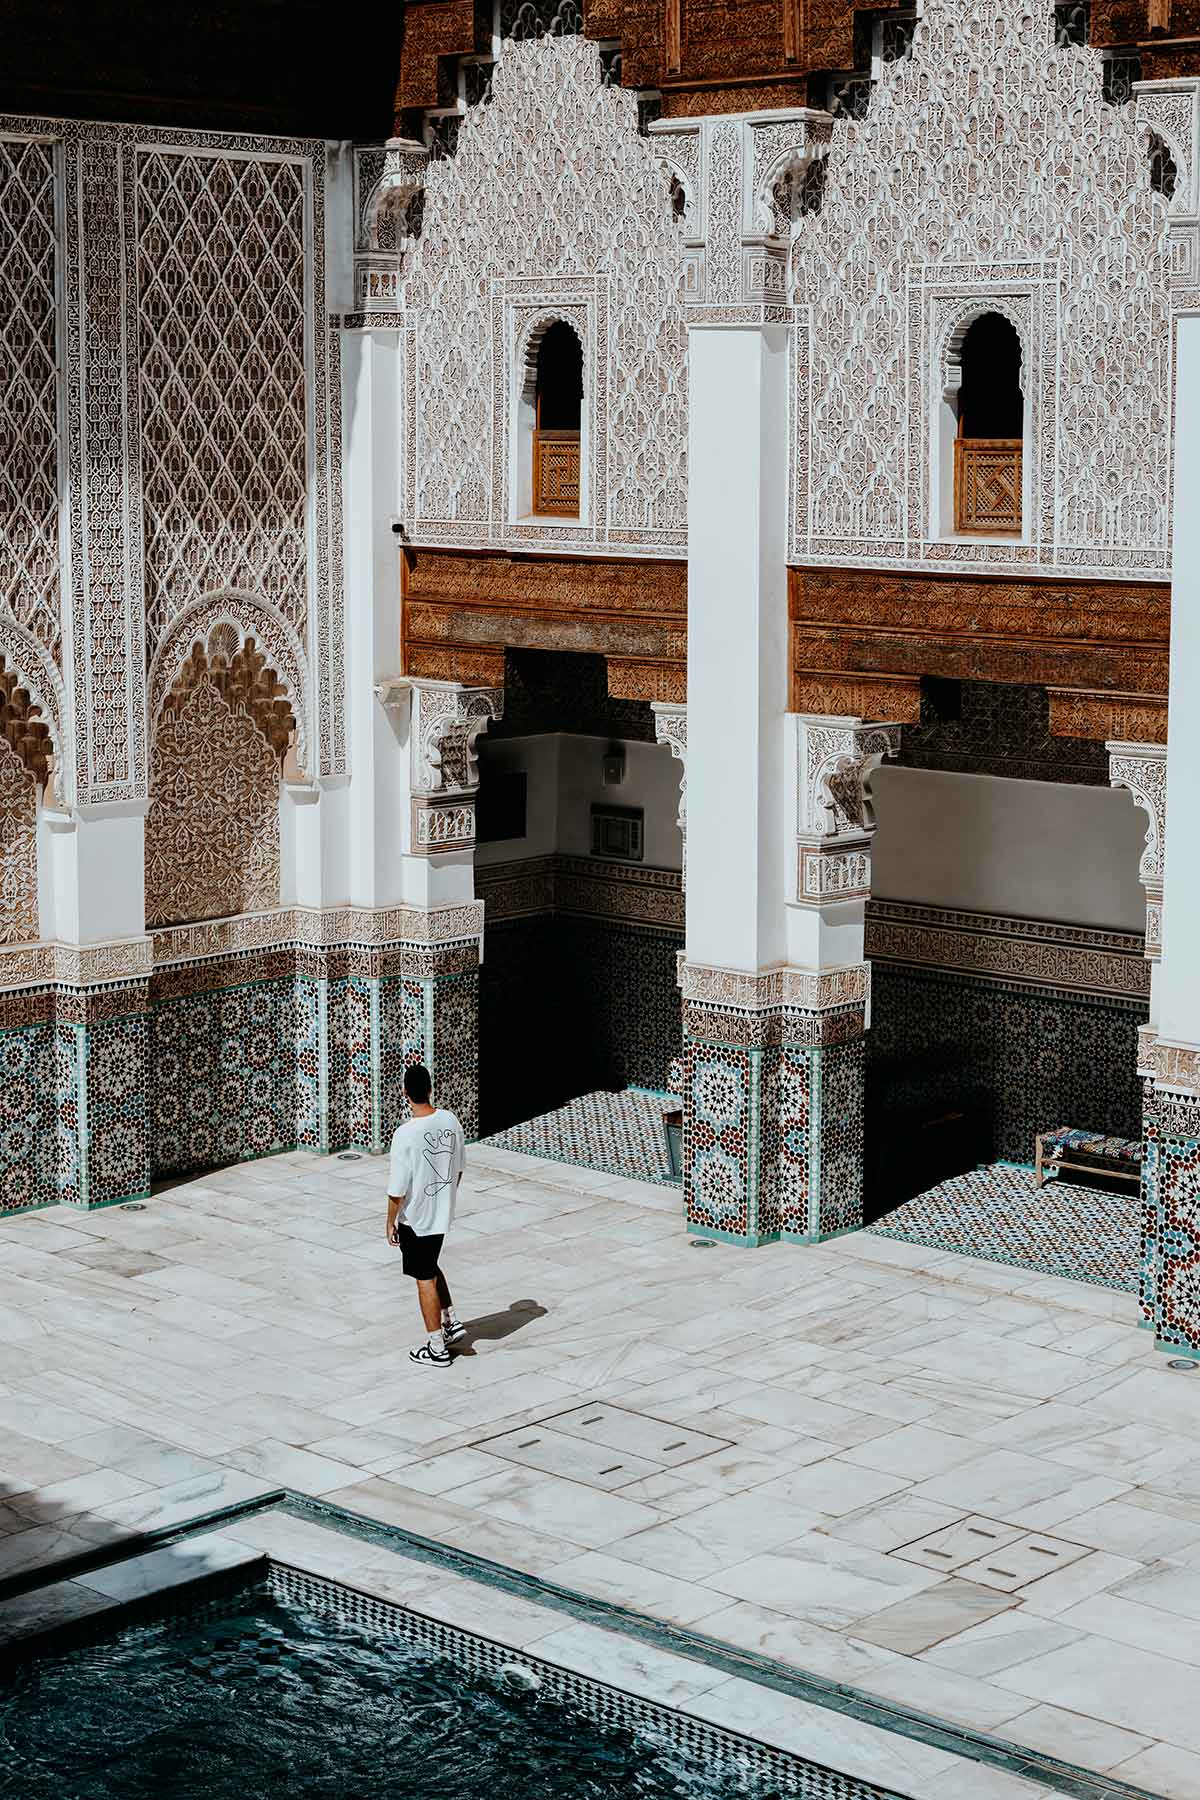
x=395 y=1202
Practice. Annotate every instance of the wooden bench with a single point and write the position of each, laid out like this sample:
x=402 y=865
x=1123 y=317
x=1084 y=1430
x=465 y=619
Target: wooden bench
x=1087 y=1153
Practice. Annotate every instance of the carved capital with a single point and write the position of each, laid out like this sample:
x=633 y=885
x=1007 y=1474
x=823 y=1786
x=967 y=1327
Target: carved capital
x=1142 y=770
x=445 y=722
x=836 y=759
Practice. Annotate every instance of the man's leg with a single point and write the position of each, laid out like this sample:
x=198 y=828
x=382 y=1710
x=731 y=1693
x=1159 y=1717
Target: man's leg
x=453 y=1331
x=431 y=1305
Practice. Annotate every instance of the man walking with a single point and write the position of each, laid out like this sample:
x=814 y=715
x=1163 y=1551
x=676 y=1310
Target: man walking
x=428 y=1154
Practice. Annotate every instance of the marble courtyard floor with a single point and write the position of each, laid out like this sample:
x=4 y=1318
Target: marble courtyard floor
x=875 y=1452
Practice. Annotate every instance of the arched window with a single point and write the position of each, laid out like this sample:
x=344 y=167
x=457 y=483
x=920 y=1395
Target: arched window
x=988 y=448
x=557 y=425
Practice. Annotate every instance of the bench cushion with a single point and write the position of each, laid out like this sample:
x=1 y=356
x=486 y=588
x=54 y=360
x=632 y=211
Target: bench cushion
x=1068 y=1140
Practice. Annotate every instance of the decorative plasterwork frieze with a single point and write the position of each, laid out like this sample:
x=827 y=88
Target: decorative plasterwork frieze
x=1072 y=959
x=585 y=887
x=1142 y=769
x=813 y=990
x=75 y=965
x=835 y=760
x=317 y=930
x=445 y=720
x=1174 y=1068
x=128 y=959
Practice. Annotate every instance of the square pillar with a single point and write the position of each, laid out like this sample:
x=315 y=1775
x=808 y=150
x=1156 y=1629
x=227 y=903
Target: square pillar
x=1171 y=1052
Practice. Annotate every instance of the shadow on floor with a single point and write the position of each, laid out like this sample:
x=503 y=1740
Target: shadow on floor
x=494 y=1326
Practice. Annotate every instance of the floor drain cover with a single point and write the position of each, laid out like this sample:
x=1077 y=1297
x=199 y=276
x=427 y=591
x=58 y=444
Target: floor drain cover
x=349 y=1155
x=133 y=1206
x=1180 y=1363
x=703 y=1244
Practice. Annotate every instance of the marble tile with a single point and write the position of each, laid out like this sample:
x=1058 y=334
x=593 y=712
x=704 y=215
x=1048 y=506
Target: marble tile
x=916 y=1452
x=564 y=1509
x=1135 y=1690
x=1162 y=1769
x=830 y=1738
x=822 y=1579
x=634 y=1667
x=282 y=1465
x=1054 y=1595
x=943 y=1694
x=1019 y=1490
x=40 y=1547
x=639 y=1588
x=702 y=1543
x=26 y=1463
x=146 y=1458
x=921 y=1620
x=442 y=1474
x=1125 y=1620
x=1166 y=1587
x=1001 y=1642
x=1126 y=1530
x=892 y=1523
x=46 y=1505
x=170 y=1567
x=156 y=1509
x=59 y=1603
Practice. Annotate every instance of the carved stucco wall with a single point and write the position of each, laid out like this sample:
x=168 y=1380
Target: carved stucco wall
x=989 y=171
x=29 y=435
x=18 y=849
x=552 y=205
x=212 y=832
x=221 y=331
x=167 y=431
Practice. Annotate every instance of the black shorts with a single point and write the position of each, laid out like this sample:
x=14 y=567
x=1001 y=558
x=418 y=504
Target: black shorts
x=420 y=1253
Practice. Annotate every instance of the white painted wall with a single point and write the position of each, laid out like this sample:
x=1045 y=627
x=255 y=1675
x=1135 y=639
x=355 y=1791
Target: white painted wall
x=564 y=780
x=1031 y=849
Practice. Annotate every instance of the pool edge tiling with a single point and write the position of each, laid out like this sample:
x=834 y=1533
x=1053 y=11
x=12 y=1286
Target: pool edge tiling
x=313 y=1553
x=204 y=1598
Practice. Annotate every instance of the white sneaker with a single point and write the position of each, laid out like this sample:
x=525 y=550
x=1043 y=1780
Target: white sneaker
x=455 y=1333
x=429 y=1358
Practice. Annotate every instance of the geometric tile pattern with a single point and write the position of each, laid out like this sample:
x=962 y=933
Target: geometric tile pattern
x=223 y=1076
x=773 y=1123
x=1020 y=1060
x=619 y=1134
x=1172 y=1189
x=30 y=1100
x=999 y=1214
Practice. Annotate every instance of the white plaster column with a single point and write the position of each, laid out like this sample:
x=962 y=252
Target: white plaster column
x=1179 y=1021
x=737 y=645
x=737 y=705
x=1171 y=1205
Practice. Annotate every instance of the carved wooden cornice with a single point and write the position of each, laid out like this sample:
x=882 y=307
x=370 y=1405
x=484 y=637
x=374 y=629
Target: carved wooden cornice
x=862 y=639
x=462 y=609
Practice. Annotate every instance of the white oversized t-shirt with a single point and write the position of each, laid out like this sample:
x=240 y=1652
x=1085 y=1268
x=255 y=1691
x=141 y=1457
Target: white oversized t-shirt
x=428 y=1156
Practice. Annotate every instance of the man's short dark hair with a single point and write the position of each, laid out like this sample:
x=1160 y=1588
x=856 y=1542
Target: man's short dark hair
x=418 y=1083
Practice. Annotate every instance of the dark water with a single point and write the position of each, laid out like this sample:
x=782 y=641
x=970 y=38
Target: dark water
x=275 y=1701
